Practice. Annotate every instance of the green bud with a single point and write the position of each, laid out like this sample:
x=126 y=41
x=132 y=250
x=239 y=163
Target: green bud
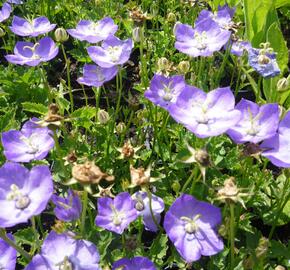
x=162 y=64
x=262 y=248
x=2 y=32
x=120 y=128
x=103 y=117
x=171 y=17
x=61 y=35
x=183 y=67
x=283 y=84
x=175 y=186
x=280 y=267
x=136 y=34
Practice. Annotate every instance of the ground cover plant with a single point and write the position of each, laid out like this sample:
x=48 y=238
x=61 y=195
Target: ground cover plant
x=144 y=134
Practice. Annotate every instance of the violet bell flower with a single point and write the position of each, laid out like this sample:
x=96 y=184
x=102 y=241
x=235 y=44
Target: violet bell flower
x=205 y=114
x=94 y=32
x=96 y=76
x=256 y=123
x=264 y=61
x=31 y=143
x=239 y=47
x=5 y=12
x=136 y=263
x=164 y=91
x=113 y=51
x=23 y=193
x=34 y=28
x=15 y=2
x=116 y=214
x=276 y=148
x=203 y=40
x=142 y=205
x=8 y=255
x=62 y=251
x=223 y=17
x=191 y=226
x=68 y=208
x=27 y=53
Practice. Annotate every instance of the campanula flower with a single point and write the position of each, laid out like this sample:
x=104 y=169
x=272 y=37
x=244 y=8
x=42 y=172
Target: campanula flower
x=94 y=32
x=223 y=17
x=94 y=75
x=68 y=208
x=203 y=40
x=62 y=251
x=190 y=224
x=5 y=12
x=116 y=214
x=276 y=148
x=34 y=28
x=142 y=205
x=27 y=53
x=264 y=61
x=15 y=2
x=112 y=52
x=239 y=47
x=164 y=91
x=31 y=143
x=23 y=193
x=8 y=255
x=136 y=263
x=256 y=123
x=205 y=114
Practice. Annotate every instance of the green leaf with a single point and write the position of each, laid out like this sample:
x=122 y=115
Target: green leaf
x=6 y=120
x=276 y=39
x=281 y=3
x=34 y=107
x=84 y=112
x=158 y=249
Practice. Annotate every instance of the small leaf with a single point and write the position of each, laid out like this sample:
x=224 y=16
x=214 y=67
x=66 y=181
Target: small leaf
x=34 y=108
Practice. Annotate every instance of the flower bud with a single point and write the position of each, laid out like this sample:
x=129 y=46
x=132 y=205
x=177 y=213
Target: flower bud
x=61 y=35
x=283 y=84
x=202 y=157
x=280 y=267
x=171 y=17
x=103 y=117
x=162 y=64
x=2 y=32
x=136 y=34
x=175 y=186
x=120 y=128
x=262 y=248
x=183 y=67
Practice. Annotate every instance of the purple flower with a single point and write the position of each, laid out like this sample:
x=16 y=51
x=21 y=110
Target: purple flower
x=23 y=193
x=205 y=114
x=16 y=2
x=142 y=206
x=94 y=75
x=27 y=53
x=277 y=147
x=264 y=62
x=136 y=263
x=36 y=27
x=62 y=251
x=239 y=47
x=31 y=143
x=223 y=17
x=94 y=32
x=164 y=91
x=116 y=214
x=112 y=52
x=69 y=208
x=8 y=255
x=202 y=40
x=256 y=124
x=5 y=12
x=190 y=225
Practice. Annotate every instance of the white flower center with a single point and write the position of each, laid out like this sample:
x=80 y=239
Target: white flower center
x=21 y=201
x=190 y=225
x=65 y=264
x=33 y=49
x=117 y=216
x=94 y=27
x=139 y=205
x=99 y=75
x=115 y=52
x=33 y=148
x=201 y=40
x=254 y=126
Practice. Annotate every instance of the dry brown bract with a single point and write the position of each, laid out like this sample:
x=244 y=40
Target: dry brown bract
x=89 y=173
x=139 y=176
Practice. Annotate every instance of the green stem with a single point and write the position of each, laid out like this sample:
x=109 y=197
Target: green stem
x=151 y=209
x=232 y=234
x=14 y=245
x=85 y=205
x=124 y=244
x=67 y=65
x=188 y=180
x=284 y=200
x=97 y=91
x=36 y=234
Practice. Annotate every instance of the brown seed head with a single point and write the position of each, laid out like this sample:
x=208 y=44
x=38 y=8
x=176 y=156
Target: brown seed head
x=140 y=176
